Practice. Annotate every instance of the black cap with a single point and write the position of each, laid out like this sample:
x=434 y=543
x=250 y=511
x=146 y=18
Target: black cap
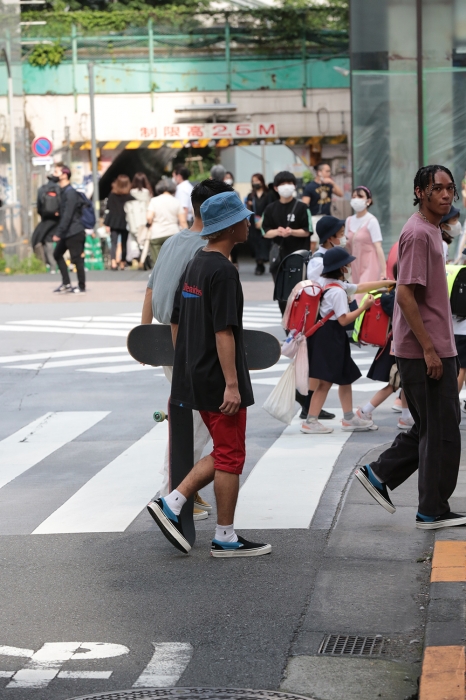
x=335 y=258
x=328 y=226
x=451 y=214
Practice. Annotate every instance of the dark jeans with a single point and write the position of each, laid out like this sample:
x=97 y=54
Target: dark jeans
x=433 y=445
x=114 y=238
x=75 y=244
x=259 y=244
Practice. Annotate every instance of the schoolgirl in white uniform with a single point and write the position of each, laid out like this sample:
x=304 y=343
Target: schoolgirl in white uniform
x=330 y=360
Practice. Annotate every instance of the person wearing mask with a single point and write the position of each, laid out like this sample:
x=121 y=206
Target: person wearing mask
x=165 y=216
x=317 y=194
x=286 y=222
x=256 y=201
x=183 y=190
x=331 y=232
x=158 y=304
x=136 y=213
x=115 y=218
x=230 y=180
x=364 y=239
x=69 y=233
x=451 y=228
x=48 y=208
x=426 y=358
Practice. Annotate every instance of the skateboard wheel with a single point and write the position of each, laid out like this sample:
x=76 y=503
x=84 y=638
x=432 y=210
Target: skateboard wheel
x=159 y=416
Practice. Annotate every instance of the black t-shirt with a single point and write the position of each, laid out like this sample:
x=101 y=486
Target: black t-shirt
x=293 y=214
x=320 y=196
x=209 y=298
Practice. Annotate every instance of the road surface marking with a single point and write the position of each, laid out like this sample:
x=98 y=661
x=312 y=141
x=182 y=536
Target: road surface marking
x=284 y=488
x=167 y=665
x=115 y=496
x=70 y=331
x=73 y=363
x=36 y=441
x=120 y=369
x=97 y=675
x=61 y=353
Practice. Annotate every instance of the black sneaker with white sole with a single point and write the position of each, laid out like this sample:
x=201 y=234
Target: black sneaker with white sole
x=63 y=288
x=241 y=548
x=376 y=489
x=449 y=519
x=169 y=523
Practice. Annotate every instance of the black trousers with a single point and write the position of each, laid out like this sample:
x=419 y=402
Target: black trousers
x=114 y=238
x=433 y=445
x=75 y=244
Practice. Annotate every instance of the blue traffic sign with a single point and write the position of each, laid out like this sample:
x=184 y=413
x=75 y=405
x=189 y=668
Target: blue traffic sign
x=42 y=146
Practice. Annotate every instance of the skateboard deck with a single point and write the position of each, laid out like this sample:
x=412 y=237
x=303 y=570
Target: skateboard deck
x=152 y=345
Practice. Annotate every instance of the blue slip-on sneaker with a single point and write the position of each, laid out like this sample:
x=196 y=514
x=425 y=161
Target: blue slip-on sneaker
x=241 y=548
x=376 y=489
x=169 y=523
x=431 y=522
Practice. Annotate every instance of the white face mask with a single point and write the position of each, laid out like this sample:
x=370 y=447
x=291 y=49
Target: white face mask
x=455 y=230
x=228 y=181
x=286 y=190
x=358 y=204
x=341 y=241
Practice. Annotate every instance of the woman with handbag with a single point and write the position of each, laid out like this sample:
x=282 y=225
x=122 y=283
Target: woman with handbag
x=256 y=201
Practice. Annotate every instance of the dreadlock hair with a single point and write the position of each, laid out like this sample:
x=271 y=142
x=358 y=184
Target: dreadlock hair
x=426 y=176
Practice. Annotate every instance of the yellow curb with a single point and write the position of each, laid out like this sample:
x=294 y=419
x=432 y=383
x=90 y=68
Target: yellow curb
x=443 y=674
x=449 y=561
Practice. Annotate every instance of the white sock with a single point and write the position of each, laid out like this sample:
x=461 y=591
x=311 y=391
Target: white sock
x=405 y=413
x=175 y=501
x=368 y=408
x=225 y=533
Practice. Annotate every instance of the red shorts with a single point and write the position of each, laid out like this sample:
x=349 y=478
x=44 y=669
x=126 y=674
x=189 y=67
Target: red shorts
x=229 y=436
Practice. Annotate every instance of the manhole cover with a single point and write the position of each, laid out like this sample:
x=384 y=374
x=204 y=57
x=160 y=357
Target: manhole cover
x=193 y=694
x=351 y=645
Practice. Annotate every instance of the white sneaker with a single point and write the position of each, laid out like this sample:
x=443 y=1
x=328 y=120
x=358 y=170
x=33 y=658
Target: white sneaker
x=397 y=406
x=356 y=424
x=200 y=514
x=405 y=423
x=362 y=415
x=315 y=428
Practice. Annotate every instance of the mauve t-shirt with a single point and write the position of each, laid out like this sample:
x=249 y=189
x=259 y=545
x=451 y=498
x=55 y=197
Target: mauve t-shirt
x=421 y=262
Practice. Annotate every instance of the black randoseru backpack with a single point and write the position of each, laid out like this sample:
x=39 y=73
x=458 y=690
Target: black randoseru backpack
x=293 y=269
x=458 y=294
x=50 y=202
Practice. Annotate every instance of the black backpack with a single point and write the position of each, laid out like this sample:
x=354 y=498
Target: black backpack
x=49 y=199
x=293 y=269
x=458 y=294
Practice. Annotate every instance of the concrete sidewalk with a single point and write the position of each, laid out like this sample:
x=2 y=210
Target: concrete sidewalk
x=374 y=579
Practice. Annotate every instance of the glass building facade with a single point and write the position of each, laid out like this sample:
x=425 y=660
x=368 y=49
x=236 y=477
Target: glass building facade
x=408 y=73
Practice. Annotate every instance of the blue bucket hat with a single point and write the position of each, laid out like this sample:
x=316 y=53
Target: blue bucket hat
x=328 y=226
x=336 y=258
x=221 y=211
x=451 y=214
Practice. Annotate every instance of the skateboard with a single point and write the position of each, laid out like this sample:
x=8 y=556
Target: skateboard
x=152 y=345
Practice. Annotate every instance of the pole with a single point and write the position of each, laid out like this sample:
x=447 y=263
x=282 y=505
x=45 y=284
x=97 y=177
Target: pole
x=264 y=161
x=151 y=63
x=303 y=58
x=95 y=183
x=14 y=187
x=74 y=53
x=420 y=85
x=227 y=57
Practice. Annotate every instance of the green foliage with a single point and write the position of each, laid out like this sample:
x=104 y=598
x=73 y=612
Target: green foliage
x=12 y=265
x=46 y=55
x=307 y=177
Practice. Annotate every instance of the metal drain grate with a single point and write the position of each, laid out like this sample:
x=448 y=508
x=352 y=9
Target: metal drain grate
x=351 y=645
x=193 y=694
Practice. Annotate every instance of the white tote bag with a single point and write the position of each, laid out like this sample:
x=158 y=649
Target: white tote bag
x=281 y=402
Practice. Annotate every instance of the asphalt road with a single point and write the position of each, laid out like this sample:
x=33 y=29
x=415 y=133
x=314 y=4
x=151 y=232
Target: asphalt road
x=93 y=598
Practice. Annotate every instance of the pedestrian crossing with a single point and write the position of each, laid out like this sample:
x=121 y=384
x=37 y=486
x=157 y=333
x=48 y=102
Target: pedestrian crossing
x=110 y=500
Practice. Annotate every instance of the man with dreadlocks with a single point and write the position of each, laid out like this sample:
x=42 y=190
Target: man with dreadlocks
x=426 y=357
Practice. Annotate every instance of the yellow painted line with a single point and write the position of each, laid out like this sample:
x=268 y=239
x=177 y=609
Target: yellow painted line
x=449 y=561
x=110 y=145
x=156 y=144
x=442 y=676
x=133 y=144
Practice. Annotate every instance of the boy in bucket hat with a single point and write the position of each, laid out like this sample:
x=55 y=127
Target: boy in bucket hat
x=210 y=375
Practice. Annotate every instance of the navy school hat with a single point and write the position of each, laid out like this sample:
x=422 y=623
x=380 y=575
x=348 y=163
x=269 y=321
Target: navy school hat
x=453 y=212
x=328 y=226
x=336 y=258
x=221 y=211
